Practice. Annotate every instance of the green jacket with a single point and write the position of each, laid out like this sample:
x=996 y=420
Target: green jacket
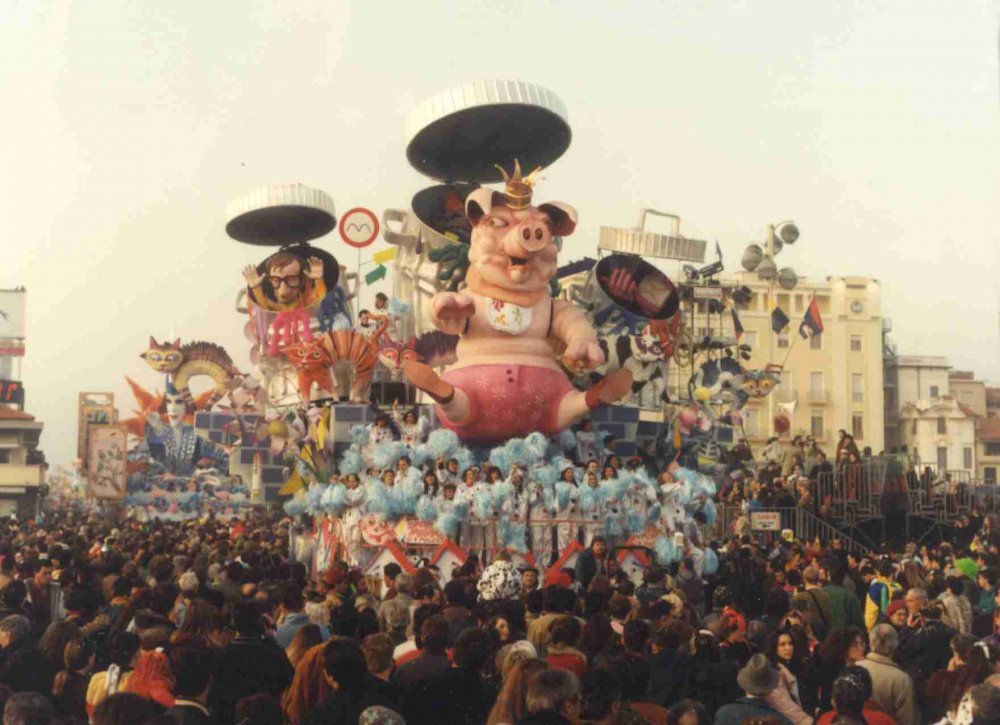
x=846 y=607
x=987 y=602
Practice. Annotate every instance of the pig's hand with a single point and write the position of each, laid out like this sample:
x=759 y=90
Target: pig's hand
x=451 y=310
x=584 y=354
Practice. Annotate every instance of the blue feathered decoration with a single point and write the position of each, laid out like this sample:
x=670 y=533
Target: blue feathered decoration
x=514 y=537
x=447 y=524
x=465 y=459
x=426 y=510
x=482 y=505
x=666 y=551
x=387 y=454
x=567 y=440
x=710 y=565
x=589 y=498
x=334 y=498
x=501 y=492
x=461 y=510
x=398 y=308
x=711 y=515
x=359 y=434
x=545 y=475
x=634 y=524
x=377 y=499
x=420 y=455
x=564 y=492
x=703 y=484
x=295 y=506
x=537 y=445
x=653 y=515
x=516 y=453
x=351 y=462
x=341 y=322
x=314 y=495
x=441 y=443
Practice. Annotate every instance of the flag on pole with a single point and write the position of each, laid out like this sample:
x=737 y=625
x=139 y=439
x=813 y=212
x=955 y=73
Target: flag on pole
x=386 y=255
x=812 y=321
x=737 y=325
x=779 y=320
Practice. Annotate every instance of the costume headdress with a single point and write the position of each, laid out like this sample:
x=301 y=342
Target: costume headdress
x=517 y=189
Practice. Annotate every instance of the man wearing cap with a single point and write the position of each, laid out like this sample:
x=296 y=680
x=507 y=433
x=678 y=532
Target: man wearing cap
x=758 y=680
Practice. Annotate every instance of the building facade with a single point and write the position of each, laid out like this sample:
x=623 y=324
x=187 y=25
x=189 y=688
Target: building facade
x=988 y=450
x=829 y=382
x=942 y=433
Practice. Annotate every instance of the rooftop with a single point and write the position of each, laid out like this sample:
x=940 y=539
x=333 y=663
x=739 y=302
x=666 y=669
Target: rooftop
x=988 y=429
x=14 y=414
x=922 y=361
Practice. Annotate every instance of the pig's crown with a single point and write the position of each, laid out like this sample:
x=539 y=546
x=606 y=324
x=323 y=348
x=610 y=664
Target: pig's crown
x=517 y=189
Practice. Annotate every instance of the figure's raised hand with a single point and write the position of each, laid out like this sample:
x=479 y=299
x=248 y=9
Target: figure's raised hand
x=621 y=284
x=252 y=276
x=315 y=268
x=451 y=310
x=583 y=354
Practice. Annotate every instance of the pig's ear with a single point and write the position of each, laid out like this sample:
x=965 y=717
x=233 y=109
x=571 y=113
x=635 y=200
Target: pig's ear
x=562 y=218
x=479 y=203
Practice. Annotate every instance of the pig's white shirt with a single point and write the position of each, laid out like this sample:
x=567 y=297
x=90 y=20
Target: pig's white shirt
x=508 y=317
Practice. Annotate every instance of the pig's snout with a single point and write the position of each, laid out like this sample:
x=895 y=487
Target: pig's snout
x=531 y=236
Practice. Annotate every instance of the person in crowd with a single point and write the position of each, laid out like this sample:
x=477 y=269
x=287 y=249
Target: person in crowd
x=192 y=668
x=553 y=698
x=852 y=693
x=22 y=667
x=252 y=662
x=758 y=680
x=511 y=702
x=292 y=617
x=892 y=688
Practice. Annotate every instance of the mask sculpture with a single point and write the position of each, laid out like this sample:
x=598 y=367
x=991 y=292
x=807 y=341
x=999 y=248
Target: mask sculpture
x=182 y=363
x=506 y=381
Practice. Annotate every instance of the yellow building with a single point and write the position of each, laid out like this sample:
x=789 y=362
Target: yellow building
x=988 y=449
x=829 y=382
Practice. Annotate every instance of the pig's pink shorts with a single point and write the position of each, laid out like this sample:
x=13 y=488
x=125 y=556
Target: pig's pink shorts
x=508 y=401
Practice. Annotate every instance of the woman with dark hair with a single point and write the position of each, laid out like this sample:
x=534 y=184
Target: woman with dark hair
x=122 y=650
x=787 y=649
x=841 y=649
x=971 y=663
x=431 y=484
x=346 y=672
x=498 y=628
x=52 y=645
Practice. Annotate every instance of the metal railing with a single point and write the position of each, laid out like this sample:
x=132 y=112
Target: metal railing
x=803 y=523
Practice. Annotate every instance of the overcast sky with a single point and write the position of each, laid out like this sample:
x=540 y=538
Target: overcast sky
x=128 y=126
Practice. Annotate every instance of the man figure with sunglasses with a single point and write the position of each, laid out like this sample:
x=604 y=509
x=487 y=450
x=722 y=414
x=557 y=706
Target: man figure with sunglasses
x=293 y=287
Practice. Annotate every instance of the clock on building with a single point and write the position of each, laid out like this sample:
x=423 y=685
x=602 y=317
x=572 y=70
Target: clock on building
x=857 y=307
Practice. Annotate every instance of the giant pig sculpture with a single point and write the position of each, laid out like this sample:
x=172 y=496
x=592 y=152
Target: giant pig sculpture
x=506 y=381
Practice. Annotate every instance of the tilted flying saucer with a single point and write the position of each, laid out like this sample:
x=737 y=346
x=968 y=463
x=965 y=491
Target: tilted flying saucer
x=281 y=215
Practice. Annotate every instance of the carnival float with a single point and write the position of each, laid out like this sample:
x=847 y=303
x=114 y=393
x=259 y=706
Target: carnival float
x=502 y=398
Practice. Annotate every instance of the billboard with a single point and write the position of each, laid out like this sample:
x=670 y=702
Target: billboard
x=12 y=314
x=94 y=409
x=107 y=469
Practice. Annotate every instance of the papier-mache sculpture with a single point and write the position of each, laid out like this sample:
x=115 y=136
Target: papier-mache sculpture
x=506 y=381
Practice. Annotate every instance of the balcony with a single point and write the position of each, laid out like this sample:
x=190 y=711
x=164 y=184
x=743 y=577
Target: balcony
x=13 y=475
x=819 y=396
x=784 y=395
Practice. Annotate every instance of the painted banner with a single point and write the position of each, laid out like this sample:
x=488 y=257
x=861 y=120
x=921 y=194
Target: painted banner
x=94 y=409
x=107 y=471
